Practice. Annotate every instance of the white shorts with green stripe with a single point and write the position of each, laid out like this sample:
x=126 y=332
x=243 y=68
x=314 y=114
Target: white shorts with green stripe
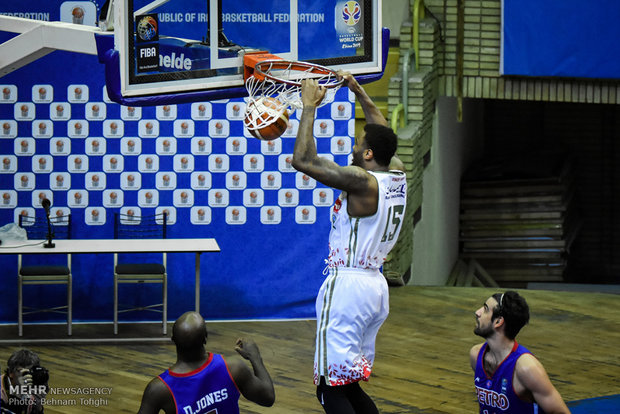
x=351 y=306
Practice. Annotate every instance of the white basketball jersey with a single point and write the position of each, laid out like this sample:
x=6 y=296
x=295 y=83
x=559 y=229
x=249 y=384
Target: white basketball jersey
x=364 y=242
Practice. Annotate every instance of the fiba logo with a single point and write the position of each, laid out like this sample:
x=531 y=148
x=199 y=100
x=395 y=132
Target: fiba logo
x=147 y=28
x=351 y=13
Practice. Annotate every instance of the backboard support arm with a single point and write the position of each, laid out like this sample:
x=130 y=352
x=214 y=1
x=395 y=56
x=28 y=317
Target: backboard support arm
x=38 y=38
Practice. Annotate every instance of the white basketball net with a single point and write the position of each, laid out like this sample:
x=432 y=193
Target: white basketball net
x=281 y=80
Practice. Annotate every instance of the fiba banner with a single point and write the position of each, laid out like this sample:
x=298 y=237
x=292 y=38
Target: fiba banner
x=63 y=139
x=568 y=38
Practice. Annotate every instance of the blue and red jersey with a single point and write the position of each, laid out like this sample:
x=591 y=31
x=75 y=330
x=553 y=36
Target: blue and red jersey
x=496 y=392
x=208 y=389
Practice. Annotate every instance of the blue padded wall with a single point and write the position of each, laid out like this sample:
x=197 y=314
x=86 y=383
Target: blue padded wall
x=63 y=137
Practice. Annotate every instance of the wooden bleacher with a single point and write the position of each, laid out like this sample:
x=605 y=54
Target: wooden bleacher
x=518 y=218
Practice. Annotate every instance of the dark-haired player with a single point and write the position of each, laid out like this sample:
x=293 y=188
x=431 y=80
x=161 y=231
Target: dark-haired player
x=509 y=379
x=352 y=303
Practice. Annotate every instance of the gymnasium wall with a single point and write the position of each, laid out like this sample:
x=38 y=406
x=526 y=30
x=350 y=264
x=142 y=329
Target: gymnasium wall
x=460 y=50
x=62 y=137
x=521 y=112
x=479 y=25
x=435 y=239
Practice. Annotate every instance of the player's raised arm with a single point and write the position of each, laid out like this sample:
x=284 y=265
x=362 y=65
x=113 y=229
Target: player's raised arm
x=352 y=179
x=256 y=386
x=371 y=111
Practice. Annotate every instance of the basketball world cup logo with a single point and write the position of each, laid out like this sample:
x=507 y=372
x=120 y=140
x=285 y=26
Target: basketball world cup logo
x=351 y=13
x=147 y=28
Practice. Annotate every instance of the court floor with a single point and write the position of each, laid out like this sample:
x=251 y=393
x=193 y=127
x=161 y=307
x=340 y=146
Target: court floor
x=421 y=366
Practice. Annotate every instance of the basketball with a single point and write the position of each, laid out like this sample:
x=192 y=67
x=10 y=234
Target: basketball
x=266 y=118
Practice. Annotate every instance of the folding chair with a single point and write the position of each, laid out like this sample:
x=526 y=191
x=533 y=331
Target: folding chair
x=140 y=227
x=44 y=274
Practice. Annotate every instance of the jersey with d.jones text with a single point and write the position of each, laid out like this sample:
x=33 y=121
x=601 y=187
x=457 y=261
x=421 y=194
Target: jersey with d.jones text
x=208 y=389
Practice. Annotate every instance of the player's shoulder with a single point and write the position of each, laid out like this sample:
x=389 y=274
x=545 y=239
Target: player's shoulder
x=475 y=350
x=236 y=367
x=157 y=396
x=157 y=392
x=529 y=367
x=527 y=360
x=157 y=386
x=396 y=165
x=473 y=355
x=477 y=347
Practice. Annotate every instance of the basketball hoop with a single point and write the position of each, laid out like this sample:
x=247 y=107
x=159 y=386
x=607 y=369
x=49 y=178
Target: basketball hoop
x=279 y=79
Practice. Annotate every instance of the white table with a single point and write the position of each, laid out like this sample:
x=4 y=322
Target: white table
x=96 y=246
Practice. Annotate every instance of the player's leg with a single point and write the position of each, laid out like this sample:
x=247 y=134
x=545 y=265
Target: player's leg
x=361 y=402
x=383 y=309
x=322 y=317
x=343 y=320
x=334 y=400
x=348 y=306
x=345 y=399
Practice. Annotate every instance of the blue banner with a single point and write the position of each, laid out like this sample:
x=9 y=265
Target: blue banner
x=568 y=38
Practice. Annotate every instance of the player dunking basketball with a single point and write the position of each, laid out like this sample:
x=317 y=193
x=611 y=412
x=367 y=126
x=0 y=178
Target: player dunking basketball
x=352 y=303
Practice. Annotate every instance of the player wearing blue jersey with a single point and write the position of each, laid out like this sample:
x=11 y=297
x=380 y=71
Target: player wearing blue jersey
x=508 y=378
x=353 y=301
x=201 y=382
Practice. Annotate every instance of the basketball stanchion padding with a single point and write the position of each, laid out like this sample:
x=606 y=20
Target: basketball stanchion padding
x=274 y=89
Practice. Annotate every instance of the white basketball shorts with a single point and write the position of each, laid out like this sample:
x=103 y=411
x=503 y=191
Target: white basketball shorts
x=351 y=306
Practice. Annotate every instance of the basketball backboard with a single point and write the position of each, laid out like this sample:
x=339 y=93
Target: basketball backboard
x=179 y=47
